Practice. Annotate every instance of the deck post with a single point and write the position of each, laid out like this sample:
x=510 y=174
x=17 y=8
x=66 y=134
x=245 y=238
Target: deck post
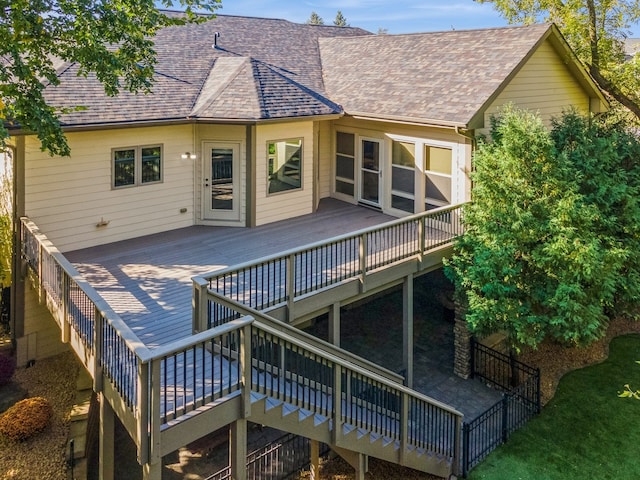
x=142 y=423
x=407 y=329
x=291 y=287
x=404 y=426
x=362 y=254
x=199 y=305
x=238 y=449
x=98 y=345
x=336 y=396
x=334 y=324
x=65 y=326
x=152 y=464
x=106 y=441
x=315 y=459
x=245 y=358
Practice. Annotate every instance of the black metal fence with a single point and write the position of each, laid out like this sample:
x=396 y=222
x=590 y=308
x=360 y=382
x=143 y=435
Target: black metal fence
x=520 y=401
x=280 y=460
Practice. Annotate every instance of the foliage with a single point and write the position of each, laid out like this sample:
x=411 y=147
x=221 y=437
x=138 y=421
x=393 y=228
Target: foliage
x=6 y=232
x=112 y=39
x=7 y=368
x=551 y=240
x=584 y=432
x=315 y=19
x=628 y=392
x=26 y=418
x=340 y=20
x=596 y=31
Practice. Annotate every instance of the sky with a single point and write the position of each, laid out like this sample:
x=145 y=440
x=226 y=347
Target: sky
x=399 y=16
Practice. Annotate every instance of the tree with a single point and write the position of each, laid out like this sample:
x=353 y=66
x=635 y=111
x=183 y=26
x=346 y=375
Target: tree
x=315 y=19
x=596 y=30
x=340 y=20
x=551 y=239
x=112 y=39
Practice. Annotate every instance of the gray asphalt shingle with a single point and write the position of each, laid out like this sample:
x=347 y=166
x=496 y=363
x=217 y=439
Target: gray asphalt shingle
x=444 y=77
x=282 y=76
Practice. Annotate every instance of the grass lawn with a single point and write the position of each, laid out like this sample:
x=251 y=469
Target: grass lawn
x=584 y=432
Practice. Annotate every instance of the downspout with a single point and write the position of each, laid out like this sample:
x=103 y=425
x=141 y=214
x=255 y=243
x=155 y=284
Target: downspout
x=17 y=267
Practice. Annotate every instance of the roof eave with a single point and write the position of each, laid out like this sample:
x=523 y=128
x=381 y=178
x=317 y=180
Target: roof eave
x=424 y=122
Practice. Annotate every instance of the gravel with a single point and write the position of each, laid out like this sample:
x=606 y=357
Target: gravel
x=43 y=456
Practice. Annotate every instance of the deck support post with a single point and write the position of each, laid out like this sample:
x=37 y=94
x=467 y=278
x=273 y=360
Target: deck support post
x=334 y=324
x=238 y=449
x=106 y=441
x=407 y=329
x=315 y=459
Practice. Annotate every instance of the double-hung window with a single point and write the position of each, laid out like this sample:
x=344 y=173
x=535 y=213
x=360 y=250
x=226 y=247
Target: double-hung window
x=136 y=165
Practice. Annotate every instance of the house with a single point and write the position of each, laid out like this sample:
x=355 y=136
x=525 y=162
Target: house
x=254 y=121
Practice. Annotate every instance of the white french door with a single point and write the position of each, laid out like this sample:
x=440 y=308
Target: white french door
x=221 y=181
x=370 y=191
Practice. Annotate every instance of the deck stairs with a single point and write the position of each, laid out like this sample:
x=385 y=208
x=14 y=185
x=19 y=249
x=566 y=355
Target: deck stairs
x=243 y=363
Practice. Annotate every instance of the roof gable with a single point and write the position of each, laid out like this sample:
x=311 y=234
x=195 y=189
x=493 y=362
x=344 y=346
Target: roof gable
x=441 y=78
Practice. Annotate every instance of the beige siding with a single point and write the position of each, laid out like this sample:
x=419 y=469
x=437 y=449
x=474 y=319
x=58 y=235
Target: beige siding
x=543 y=85
x=42 y=336
x=68 y=197
x=292 y=203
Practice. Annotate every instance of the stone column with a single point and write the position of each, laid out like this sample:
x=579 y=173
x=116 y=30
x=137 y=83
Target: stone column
x=462 y=343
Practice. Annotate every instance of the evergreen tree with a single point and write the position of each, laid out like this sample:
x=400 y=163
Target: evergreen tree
x=340 y=20
x=315 y=19
x=551 y=245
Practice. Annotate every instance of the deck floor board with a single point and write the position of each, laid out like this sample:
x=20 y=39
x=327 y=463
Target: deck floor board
x=147 y=280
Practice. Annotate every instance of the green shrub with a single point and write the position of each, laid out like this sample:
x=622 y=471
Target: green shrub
x=26 y=418
x=7 y=369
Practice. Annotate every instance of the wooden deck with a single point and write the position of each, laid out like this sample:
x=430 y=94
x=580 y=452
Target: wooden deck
x=147 y=280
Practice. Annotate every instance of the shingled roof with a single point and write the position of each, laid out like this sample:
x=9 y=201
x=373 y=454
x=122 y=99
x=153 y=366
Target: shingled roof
x=440 y=78
x=261 y=69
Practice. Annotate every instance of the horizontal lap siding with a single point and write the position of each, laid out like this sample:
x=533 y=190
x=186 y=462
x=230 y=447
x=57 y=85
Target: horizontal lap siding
x=292 y=203
x=67 y=197
x=543 y=85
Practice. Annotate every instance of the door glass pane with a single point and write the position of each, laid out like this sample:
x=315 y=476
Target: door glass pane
x=222 y=178
x=344 y=167
x=370 y=155
x=370 y=187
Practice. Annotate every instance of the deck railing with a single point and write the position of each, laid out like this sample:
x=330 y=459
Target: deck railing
x=153 y=388
x=280 y=279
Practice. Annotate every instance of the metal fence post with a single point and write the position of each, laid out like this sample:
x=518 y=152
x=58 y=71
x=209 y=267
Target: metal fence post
x=466 y=432
x=505 y=417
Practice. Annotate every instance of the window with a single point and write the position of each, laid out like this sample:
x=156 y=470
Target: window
x=345 y=163
x=137 y=165
x=284 y=160
x=403 y=168
x=438 y=169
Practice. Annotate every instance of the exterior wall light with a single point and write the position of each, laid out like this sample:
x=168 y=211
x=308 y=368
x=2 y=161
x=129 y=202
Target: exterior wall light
x=187 y=155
